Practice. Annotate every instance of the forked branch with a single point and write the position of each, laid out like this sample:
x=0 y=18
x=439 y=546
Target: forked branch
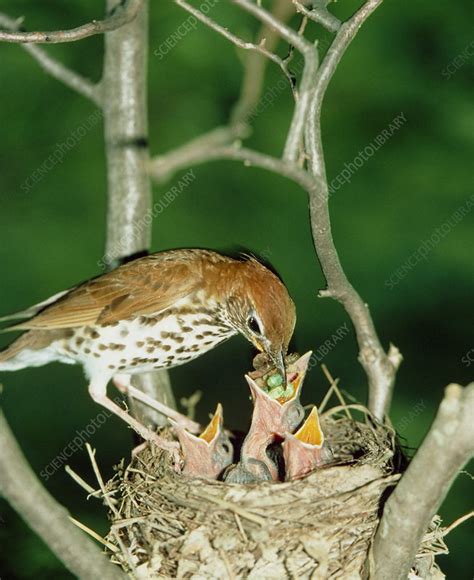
x=319 y=13
x=304 y=139
x=239 y=42
x=380 y=367
x=199 y=149
x=56 y=69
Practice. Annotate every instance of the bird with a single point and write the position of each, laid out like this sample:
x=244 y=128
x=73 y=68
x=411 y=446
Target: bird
x=306 y=450
x=272 y=419
x=208 y=455
x=155 y=312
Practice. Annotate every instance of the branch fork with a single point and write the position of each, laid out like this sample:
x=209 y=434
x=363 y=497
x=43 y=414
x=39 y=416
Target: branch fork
x=304 y=142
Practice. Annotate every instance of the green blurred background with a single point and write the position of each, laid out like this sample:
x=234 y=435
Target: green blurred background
x=414 y=61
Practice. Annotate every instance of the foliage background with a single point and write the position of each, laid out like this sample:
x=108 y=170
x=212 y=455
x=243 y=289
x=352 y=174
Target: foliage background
x=53 y=236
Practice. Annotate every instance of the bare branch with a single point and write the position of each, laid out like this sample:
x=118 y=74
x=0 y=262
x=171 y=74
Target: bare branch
x=20 y=486
x=232 y=37
x=300 y=115
x=379 y=367
x=129 y=187
x=292 y=37
x=163 y=167
x=122 y=14
x=255 y=64
x=250 y=158
x=344 y=37
x=62 y=73
x=56 y=69
x=319 y=13
x=196 y=151
x=447 y=447
x=294 y=139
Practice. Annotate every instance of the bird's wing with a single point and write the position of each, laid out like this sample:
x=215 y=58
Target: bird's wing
x=144 y=287
x=33 y=310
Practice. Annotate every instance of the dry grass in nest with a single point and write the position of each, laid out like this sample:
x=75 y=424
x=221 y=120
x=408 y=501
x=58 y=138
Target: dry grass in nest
x=167 y=526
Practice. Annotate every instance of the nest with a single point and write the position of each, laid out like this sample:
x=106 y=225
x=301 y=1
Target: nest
x=165 y=525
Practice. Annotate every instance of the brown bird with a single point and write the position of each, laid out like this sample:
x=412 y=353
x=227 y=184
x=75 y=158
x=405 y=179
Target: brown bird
x=155 y=312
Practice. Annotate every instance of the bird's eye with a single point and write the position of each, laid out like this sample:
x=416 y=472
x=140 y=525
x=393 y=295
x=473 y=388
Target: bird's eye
x=253 y=324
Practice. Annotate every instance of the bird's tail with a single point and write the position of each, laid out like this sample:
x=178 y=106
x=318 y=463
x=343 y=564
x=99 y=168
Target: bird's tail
x=28 y=350
x=10 y=359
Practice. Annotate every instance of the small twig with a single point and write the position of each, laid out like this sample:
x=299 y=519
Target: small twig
x=78 y=479
x=55 y=68
x=255 y=66
x=196 y=150
x=227 y=565
x=70 y=78
x=190 y=404
x=100 y=481
x=341 y=42
x=409 y=510
x=326 y=397
x=122 y=15
x=457 y=523
x=233 y=508
x=353 y=406
x=319 y=13
x=334 y=387
x=125 y=551
x=303 y=45
x=232 y=37
x=241 y=528
x=94 y=535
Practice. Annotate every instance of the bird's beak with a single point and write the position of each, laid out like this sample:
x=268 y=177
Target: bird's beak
x=278 y=360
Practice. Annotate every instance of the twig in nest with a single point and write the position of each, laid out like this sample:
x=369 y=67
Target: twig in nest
x=334 y=388
x=241 y=528
x=78 y=479
x=458 y=522
x=100 y=481
x=190 y=404
x=94 y=535
x=228 y=505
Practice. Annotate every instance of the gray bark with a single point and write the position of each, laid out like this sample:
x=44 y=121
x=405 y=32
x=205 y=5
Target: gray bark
x=125 y=108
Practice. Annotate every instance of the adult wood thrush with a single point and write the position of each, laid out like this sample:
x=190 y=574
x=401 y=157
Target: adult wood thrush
x=155 y=312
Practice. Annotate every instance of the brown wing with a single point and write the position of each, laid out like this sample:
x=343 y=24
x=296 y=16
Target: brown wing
x=145 y=286
x=33 y=310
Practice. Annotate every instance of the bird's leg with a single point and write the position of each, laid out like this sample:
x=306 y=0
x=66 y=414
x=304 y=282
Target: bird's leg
x=124 y=385
x=98 y=391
